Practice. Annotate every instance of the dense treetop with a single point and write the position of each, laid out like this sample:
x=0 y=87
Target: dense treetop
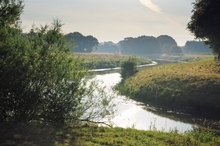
x=192 y=47
x=82 y=43
x=205 y=22
x=41 y=80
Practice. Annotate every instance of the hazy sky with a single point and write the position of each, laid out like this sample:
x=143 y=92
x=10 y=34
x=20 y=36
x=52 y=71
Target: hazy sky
x=113 y=20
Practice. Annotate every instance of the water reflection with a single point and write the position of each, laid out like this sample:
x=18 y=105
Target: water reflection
x=130 y=114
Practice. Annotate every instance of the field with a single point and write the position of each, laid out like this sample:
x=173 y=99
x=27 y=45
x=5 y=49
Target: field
x=186 y=57
x=107 y=60
x=194 y=57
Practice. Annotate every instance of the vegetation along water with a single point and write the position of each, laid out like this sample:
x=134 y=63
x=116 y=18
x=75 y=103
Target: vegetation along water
x=191 y=88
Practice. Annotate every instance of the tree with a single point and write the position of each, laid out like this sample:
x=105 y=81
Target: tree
x=41 y=80
x=82 y=43
x=205 y=22
x=196 y=47
x=166 y=43
x=142 y=45
x=108 y=47
x=176 y=50
x=9 y=30
x=10 y=11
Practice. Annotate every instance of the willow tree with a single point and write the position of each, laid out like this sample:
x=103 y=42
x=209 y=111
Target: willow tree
x=205 y=22
x=40 y=80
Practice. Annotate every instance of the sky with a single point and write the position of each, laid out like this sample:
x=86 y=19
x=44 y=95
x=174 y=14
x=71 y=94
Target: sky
x=113 y=20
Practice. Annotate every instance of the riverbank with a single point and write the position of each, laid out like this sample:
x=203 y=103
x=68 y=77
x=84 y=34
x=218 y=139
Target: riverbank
x=191 y=88
x=34 y=134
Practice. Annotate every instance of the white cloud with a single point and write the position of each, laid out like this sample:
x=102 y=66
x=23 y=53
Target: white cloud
x=150 y=5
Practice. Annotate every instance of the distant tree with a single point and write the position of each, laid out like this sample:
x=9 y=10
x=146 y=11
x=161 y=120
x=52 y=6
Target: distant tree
x=127 y=45
x=196 y=47
x=108 y=47
x=82 y=43
x=166 y=43
x=40 y=80
x=176 y=50
x=149 y=45
x=128 y=67
x=140 y=46
x=205 y=22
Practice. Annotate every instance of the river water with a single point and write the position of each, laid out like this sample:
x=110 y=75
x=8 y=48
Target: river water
x=131 y=114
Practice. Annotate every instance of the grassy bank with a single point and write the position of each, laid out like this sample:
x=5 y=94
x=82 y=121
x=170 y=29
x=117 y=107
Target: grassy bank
x=187 y=57
x=189 y=87
x=46 y=135
x=107 y=60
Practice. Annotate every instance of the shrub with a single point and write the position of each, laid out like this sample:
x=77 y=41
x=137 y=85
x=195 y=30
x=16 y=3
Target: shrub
x=128 y=67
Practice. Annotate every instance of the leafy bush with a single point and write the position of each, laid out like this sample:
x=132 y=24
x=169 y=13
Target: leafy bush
x=128 y=67
x=40 y=79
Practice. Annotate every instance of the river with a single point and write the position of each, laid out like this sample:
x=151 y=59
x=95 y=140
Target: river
x=131 y=114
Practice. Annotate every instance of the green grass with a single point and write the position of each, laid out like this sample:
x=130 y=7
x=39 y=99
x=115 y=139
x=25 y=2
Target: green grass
x=84 y=135
x=189 y=87
x=195 y=57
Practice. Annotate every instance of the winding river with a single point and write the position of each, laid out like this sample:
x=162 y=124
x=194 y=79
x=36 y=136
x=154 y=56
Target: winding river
x=131 y=114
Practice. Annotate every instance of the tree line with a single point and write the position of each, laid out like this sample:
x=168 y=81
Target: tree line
x=141 y=45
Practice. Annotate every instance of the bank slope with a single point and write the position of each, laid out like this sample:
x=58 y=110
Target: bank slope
x=84 y=135
x=189 y=87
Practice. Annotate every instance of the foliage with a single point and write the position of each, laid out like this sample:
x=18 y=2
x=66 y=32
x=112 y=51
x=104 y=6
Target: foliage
x=187 y=87
x=146 y=45
x=176 y=50
x=140 y=45
x=78 y=135
x=205 y=22
x=128 y=67
x=41 y=81
x=10 y=11
x=82 y=43
x=195 y=47
x=166 y=42
x=107 y=47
